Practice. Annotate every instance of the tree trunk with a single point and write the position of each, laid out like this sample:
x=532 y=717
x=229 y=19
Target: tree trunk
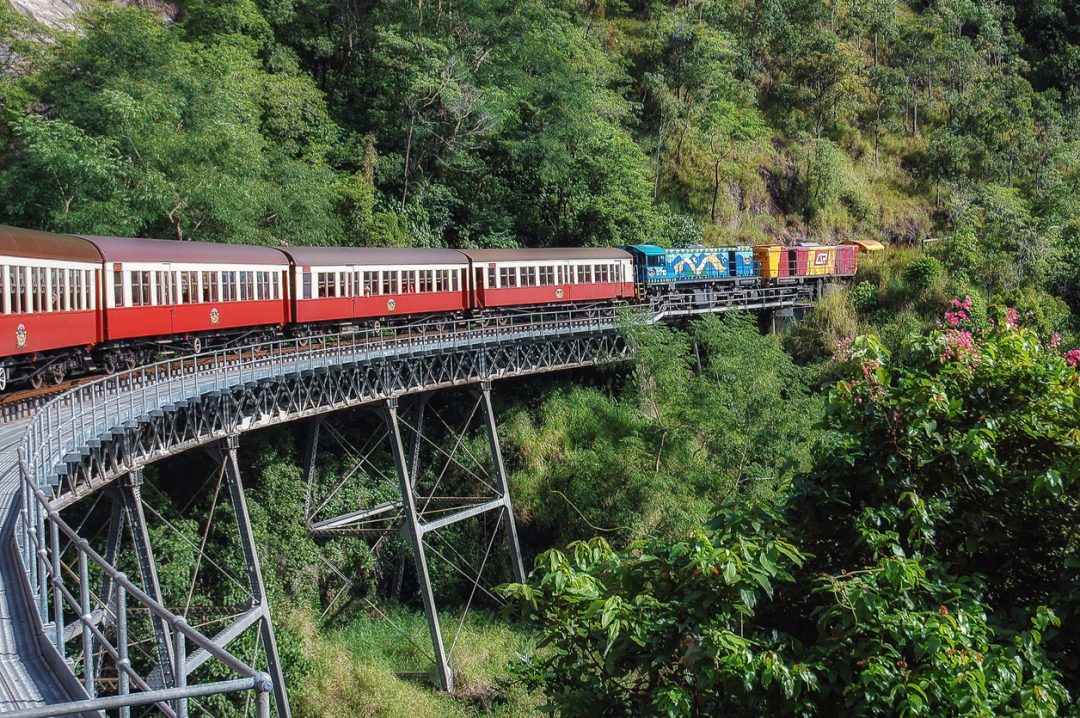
x=408 y=151
x=716 y=187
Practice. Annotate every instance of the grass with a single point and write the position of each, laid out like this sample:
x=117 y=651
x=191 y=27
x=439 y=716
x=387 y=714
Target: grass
x=360 y=669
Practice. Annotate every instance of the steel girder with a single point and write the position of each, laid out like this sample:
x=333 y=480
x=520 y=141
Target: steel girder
x=181 y=425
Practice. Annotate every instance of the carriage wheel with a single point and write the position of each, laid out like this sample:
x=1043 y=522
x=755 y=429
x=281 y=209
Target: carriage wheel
x=3 y=378
x=36 y=380
x=197 y=345
x=130 y=361
x=108 y=363
x=56 y=373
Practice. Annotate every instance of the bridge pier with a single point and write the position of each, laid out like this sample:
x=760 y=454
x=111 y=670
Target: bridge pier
x=258 y=610
x=130 y=495
x=405 y=432
x=415 y=533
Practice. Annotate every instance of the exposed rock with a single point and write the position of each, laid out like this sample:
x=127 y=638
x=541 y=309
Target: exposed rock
x=60 y=14
x=53 y=13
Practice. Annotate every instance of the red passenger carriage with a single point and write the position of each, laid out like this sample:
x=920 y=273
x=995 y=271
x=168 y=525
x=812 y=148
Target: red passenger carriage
x=50 y=296
x=529 y=277
x=336 y=284
x=180 y=293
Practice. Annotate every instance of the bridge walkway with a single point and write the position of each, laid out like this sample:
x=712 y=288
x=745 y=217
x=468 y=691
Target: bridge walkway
x=28 y=677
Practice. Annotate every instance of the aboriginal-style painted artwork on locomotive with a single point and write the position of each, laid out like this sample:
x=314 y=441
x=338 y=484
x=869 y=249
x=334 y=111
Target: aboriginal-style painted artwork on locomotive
x=656 y=265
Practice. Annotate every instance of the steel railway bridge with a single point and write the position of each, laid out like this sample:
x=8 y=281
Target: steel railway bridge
x=65 y=643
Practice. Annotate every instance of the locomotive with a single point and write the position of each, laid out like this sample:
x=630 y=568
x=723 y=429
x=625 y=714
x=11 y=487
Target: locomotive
x=89 y=303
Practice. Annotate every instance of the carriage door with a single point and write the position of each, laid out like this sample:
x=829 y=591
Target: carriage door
x=167 y=295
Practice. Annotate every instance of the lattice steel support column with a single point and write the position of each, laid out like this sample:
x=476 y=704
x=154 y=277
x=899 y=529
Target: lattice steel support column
x=254 y=572
x=415 y=533
x=112 y=556
x=311 y=455
x=504 y=484
x=131 y=495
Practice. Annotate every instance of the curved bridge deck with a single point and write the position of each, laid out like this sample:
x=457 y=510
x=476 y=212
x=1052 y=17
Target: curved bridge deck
x=103 y=429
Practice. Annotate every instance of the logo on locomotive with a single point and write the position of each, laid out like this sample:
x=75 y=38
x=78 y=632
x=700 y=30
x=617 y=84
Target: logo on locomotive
x=821 y=259
x=20 y=336
x=391 y=305
x=215 y=316
x=559 y=293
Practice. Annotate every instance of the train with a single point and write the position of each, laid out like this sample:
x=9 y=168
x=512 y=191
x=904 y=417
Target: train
x=86 y=303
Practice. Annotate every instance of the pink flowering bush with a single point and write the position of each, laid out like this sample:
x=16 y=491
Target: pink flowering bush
x=964 y=447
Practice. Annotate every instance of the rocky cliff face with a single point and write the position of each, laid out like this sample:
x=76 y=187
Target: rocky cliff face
x=54 y=13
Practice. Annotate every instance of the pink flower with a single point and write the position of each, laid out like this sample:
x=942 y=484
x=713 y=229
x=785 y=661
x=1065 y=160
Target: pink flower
x=1055 y=340
x=1011 y=317
x=959 y=345
x=1073 y=357
x=959 y=312
x=843 y=348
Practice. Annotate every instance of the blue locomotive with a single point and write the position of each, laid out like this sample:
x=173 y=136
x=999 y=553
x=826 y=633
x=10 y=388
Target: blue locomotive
x=658 y=268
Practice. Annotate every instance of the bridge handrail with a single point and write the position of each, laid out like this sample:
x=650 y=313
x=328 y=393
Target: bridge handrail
x=34 y=516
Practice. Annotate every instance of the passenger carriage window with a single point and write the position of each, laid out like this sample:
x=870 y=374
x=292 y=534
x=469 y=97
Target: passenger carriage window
x=16 y=289
x=307 y=285
x=408 y=281
x=118 y=289
x=37 y=288
x=140 y=288
x=371 y=283
x=56 y=290
x=263 y=285
x=164 y=288
x=19 y=285
x=212 y=286
x=427 y=281
x=228 y=286
x=547 y=275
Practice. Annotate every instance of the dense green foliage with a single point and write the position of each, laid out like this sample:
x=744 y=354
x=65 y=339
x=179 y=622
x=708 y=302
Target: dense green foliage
x=497 y=123
x=678 y=440
x=924 y=565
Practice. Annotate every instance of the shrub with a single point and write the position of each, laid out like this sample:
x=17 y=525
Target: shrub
x=864 y=296
x=923 y=272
